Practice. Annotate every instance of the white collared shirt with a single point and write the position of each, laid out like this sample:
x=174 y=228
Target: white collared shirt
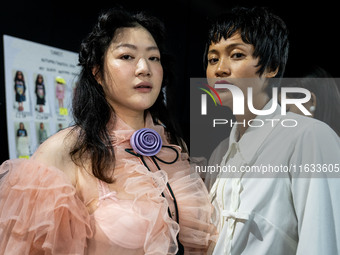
x=282 y=212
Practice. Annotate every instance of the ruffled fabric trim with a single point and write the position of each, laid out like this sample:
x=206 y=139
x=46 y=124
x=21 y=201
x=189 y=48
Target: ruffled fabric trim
x=39 y=211
x=148 y=203
x=196 y=231
x=195 y=212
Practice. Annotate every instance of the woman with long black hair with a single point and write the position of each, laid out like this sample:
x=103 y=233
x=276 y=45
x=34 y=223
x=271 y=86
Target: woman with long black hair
x=118 y=181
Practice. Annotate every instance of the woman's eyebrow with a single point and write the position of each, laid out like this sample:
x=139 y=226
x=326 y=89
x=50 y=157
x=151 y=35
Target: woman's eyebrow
x=212 y=51
x=134 y=47
x=235 y=45
x=228 y=47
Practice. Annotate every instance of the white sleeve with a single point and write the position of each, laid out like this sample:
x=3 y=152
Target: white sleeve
x=316 y=199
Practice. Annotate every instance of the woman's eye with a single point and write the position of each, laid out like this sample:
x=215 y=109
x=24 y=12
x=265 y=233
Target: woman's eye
x=126 y=57
x=237 y=55
x=156 y=59
x=212 y=61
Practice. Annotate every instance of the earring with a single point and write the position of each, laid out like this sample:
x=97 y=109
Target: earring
x=312 y=108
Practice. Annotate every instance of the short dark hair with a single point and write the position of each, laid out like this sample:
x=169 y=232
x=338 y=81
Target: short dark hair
x=257 y=26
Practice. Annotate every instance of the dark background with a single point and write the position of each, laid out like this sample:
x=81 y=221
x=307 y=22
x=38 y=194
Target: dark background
x=313 y=36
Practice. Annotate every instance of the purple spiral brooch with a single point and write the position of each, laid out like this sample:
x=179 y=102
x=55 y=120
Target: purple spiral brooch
x=146 y=142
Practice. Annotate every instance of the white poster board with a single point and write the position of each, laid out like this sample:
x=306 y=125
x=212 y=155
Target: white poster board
x=38 y=102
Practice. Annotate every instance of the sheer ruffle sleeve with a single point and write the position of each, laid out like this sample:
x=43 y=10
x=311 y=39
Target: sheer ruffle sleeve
x=39 y=211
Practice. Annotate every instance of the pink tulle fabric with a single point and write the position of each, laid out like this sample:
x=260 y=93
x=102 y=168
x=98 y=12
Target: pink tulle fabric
x=54 y=217
x=39 y=211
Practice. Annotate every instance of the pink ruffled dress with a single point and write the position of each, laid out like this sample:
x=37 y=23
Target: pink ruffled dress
x=41 y=212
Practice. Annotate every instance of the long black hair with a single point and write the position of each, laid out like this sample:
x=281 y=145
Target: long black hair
x=91 y=110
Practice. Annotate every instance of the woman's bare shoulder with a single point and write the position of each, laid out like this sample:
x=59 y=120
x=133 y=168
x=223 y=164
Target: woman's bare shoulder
x=55 y=151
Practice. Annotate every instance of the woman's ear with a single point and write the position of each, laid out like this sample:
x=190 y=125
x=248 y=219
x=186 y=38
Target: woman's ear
x=96 y=74
x=312 y=103
x=313 y=99
x=272 y=74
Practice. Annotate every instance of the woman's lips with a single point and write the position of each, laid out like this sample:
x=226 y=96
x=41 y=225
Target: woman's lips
x=220 y=83
x=143 y=87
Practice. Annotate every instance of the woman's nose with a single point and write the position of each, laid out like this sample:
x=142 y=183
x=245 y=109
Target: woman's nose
x=143 y=67
x=222 y=68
